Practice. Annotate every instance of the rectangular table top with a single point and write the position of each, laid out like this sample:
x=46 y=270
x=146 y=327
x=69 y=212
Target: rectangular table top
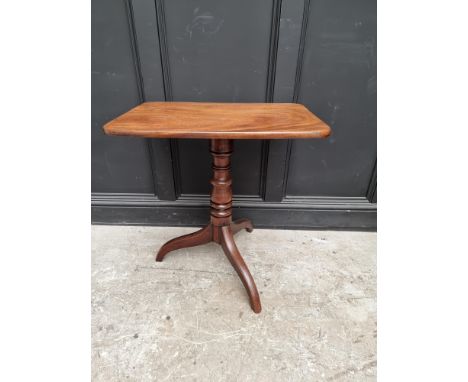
x=219 y=121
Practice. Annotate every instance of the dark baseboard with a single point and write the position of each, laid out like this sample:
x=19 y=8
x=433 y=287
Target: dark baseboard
x=193 y=210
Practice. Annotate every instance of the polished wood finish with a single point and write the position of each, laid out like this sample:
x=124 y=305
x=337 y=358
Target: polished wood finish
x=234 y=256
x=200 y=237
x=221 y=193
x=223 y=235
x=221 y=228
x=219 y=121
x=241 y=224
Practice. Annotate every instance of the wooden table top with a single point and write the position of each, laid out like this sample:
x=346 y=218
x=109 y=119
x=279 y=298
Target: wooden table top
x=219 y=121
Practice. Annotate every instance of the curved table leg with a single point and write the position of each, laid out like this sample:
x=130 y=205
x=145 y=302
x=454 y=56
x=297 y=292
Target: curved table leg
x=232 y=253
x=200 y=237
x=240 y=224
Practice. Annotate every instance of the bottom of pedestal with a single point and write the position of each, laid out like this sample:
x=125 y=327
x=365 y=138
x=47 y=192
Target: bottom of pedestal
x=224 y=236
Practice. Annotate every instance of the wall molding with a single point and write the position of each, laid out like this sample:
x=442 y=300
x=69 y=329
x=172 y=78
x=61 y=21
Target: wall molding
x=273 y=50
x=264 y=155
x=371 y=194
x=304 y=212
x=167 y=168
x=139 y=80
x=300 y=53
x=163 y=51
x=268 y=175
x=135 y=52
x=280 y=151
x=186 y=200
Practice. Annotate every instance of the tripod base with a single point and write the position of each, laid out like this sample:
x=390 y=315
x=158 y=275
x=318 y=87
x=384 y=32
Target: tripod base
x=223 y=235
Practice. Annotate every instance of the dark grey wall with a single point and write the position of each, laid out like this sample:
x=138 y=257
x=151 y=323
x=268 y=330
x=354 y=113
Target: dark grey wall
x=321 y=53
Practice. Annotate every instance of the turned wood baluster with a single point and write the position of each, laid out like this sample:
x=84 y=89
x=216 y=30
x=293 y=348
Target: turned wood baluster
x=221 y=194
x=221 y=216
x=221 y=228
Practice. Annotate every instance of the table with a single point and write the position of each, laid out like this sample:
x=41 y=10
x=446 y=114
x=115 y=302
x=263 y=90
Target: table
x=221 y=123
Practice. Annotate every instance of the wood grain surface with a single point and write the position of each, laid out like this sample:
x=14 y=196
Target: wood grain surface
x=219 y=121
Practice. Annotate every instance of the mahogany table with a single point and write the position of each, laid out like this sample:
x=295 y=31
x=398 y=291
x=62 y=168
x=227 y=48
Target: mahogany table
x=221 y=123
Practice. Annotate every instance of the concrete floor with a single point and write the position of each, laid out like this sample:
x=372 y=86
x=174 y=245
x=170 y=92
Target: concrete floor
x=188 y=318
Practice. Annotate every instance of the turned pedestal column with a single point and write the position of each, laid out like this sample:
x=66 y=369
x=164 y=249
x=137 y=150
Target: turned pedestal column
x=221 y=228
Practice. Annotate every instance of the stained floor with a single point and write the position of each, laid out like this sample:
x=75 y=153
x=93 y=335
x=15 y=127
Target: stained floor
x=188 y=318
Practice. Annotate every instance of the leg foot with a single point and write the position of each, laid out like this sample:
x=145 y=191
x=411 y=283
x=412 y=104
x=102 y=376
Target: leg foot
x=232 y=253
x=240 y=224
x=200 y=237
